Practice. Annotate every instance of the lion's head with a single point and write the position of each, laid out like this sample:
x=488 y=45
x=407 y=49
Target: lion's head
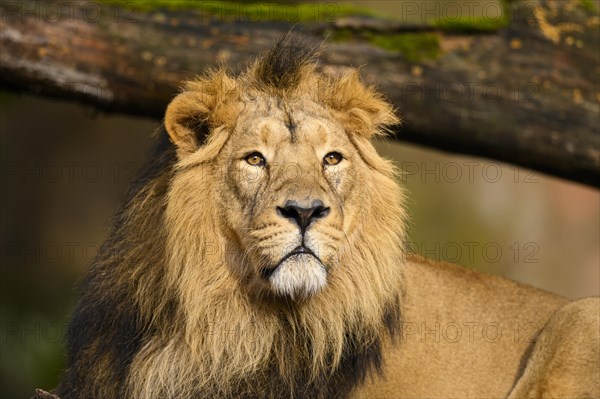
x=288 y=164
x=283 y=234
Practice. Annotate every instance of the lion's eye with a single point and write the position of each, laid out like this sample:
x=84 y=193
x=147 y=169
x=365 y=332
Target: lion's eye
x=256 y=159
x=333 y=158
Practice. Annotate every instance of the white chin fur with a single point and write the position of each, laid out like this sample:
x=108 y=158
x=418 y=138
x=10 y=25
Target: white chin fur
x=300 y=276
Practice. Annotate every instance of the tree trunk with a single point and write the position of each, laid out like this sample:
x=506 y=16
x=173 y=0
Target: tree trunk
x=526 y=93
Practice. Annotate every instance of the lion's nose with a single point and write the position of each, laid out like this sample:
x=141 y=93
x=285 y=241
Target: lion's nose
x=303 y=216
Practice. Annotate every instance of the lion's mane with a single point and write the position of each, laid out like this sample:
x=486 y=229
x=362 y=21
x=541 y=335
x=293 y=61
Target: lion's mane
x=162 y=316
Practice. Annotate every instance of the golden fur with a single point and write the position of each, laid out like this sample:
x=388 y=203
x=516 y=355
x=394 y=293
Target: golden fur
x=195 y=294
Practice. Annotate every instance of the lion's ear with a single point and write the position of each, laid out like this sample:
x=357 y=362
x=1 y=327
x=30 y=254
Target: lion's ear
x=187 y=121
x=205 y=104
x=363 y=110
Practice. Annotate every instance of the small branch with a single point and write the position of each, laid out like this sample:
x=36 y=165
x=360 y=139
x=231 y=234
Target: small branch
x=41 y=394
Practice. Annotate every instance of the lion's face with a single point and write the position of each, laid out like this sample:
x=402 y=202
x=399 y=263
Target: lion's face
x=288 y=190
x=300 y=192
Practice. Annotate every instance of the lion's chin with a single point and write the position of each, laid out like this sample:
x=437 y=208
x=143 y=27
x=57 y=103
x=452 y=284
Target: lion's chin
x=299 y=276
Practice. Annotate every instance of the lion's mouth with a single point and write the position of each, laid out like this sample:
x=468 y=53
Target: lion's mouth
x=299 y=250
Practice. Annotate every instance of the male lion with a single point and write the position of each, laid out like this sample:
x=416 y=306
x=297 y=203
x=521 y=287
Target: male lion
x=262 y=256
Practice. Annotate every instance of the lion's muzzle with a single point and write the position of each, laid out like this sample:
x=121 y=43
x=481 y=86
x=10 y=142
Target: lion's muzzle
x=299 y=273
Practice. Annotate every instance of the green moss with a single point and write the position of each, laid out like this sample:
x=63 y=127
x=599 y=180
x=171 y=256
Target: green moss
x=414 y=46
x=292 y=11
x=466 y=24
x=476 y=24
x=252 y=11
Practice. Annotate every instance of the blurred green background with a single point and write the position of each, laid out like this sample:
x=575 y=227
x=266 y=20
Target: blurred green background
x=65 y=168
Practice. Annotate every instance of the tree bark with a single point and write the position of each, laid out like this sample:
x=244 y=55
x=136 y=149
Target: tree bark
x=527 y=93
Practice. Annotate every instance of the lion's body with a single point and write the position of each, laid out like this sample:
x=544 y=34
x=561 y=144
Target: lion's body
x=262 y=256
x=469 y=335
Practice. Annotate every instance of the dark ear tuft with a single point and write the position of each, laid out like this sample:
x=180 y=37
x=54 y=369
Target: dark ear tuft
x=198 y=126
x=206 y=103
x=282 y=66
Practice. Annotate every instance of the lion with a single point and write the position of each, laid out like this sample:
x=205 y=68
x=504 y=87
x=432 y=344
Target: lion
x=263 y=255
